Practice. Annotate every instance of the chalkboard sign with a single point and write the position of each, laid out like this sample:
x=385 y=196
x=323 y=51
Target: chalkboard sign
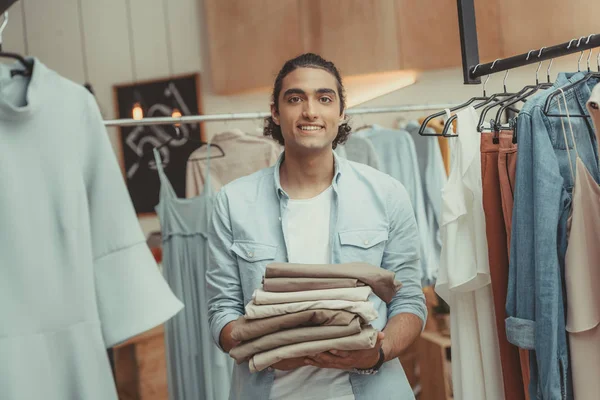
x=158 y=98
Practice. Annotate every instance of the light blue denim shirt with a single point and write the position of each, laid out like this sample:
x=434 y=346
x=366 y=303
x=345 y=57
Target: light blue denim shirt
x=535 y=302
x=372 y=221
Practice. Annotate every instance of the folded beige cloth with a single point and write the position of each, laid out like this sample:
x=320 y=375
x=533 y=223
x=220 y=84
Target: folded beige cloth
x=364 y=309
x=366 y=339
x=300 y=284
x=248 y=329
x=350 y=294
x=380 y=280
x=246 y=350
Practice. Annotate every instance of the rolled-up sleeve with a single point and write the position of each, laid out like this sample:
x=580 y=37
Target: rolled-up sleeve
x=225 y=298
x=401 y=255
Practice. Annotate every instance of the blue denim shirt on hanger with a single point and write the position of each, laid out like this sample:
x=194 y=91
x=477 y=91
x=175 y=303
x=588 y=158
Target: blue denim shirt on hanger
x=535 y=301
x=372 y=221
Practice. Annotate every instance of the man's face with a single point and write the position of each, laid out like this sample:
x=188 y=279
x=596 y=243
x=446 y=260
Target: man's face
x=309 y=110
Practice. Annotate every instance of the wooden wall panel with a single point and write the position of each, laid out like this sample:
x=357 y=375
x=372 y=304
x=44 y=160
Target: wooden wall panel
x=357 y=35
x=533 y=24
x=249 y=41
x=428 y=32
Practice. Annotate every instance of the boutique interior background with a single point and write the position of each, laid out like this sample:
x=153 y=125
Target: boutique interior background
x=383 y=44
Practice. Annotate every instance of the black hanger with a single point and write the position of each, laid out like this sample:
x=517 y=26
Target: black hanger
x=584 y=80
x=495 y=124
x=486 y=99
x=509 y=96
x=26 y=63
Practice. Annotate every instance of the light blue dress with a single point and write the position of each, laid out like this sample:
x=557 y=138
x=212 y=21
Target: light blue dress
x=77 y=275
x=197 y=369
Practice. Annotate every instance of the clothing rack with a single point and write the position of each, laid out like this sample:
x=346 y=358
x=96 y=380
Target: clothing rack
x=473 y=71
x=194 y=119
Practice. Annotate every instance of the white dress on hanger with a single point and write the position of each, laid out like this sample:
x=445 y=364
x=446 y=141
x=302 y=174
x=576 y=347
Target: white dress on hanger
x=464 y=274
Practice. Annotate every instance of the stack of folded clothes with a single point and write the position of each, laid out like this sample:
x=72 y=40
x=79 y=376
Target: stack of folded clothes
x=306 y=309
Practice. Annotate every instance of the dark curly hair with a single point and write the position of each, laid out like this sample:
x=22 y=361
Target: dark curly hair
x=308 y=60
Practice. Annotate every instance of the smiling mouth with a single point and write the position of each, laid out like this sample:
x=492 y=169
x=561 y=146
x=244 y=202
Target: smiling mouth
x=310 y=128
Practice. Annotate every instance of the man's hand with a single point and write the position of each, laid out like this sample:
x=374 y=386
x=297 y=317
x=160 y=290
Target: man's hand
x=290 y=363
x=227 y=343
x=348 y=360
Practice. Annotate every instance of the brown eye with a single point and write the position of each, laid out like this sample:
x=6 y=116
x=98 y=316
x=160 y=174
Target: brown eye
x=294 y=99
x=326 y=100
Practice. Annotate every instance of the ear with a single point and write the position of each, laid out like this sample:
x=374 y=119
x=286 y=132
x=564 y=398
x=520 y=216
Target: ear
x=274 y=114
x=342 y=118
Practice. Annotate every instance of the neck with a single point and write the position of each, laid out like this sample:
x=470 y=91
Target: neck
x=305 y=176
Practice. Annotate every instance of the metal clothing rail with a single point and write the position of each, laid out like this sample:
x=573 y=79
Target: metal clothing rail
x=194 y=119
x=472 y=70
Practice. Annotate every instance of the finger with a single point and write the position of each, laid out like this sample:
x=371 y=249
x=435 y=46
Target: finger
x=380 y=336
x=325 y=358
x=340 y=353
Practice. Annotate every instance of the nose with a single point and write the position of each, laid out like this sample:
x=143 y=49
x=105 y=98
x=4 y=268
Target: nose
x=309 y=111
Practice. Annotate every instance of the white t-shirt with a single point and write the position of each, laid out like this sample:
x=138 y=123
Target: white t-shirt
x=309 y=242
x=464 y=275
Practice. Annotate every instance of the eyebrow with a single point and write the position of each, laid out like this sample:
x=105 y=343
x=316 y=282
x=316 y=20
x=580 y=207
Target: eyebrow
x=302 y=92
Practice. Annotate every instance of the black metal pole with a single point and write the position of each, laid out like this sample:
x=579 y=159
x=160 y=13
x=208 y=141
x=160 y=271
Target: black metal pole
x=547 y=53
x=468 y=38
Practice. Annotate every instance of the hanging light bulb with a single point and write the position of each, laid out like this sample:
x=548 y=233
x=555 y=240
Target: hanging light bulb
x=176 y=114
x=137 y=112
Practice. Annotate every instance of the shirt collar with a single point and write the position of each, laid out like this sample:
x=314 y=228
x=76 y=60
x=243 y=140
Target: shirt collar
x=339 y=166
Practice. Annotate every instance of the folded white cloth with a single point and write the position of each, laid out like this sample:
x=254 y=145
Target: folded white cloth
x=364 y=309
x=360 y=341
x=350 y=294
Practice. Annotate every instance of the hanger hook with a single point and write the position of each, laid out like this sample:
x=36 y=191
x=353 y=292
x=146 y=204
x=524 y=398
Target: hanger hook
x=4 y=23
x=504 y=80
x=591 y=51
x=537 y=81
x=580 y=55
x=488 y=77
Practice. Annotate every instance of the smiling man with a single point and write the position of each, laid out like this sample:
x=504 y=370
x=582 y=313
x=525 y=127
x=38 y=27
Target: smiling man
x=313 y=207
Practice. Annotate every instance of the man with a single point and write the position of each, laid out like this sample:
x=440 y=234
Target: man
x=314 y=207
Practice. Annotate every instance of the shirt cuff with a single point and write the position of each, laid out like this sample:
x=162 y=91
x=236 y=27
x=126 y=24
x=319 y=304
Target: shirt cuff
x=219 y=323
x=521 y=332
x=420 y=312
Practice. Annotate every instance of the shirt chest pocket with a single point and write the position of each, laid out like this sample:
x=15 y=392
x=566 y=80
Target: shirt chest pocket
x=252 y=258
x=365 y=245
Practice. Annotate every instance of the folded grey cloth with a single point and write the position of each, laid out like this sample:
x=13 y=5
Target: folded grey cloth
x=247 y=329
x=380 y=280
x=300 y=284
x=246 y=350
x=366 y=339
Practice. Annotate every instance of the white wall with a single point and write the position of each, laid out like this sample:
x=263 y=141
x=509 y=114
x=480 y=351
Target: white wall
x=50 y=30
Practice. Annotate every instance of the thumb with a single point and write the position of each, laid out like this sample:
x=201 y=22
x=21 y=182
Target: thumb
x=380 y=337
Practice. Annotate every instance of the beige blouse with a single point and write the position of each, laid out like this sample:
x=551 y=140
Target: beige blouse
x=582 y=275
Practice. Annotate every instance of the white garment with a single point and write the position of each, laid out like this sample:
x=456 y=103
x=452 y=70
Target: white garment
x=350 y=294
x=464 y=274
x=307 y=228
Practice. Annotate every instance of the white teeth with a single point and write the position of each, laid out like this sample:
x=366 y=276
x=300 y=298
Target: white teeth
x=310 y=128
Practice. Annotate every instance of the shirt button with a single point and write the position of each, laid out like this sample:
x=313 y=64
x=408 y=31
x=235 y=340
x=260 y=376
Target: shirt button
x=366 y=242
x=280 y=218
x=250 y=254
x=270 y=369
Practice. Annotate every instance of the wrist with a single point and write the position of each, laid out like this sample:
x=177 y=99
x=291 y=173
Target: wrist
x=375 y=368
